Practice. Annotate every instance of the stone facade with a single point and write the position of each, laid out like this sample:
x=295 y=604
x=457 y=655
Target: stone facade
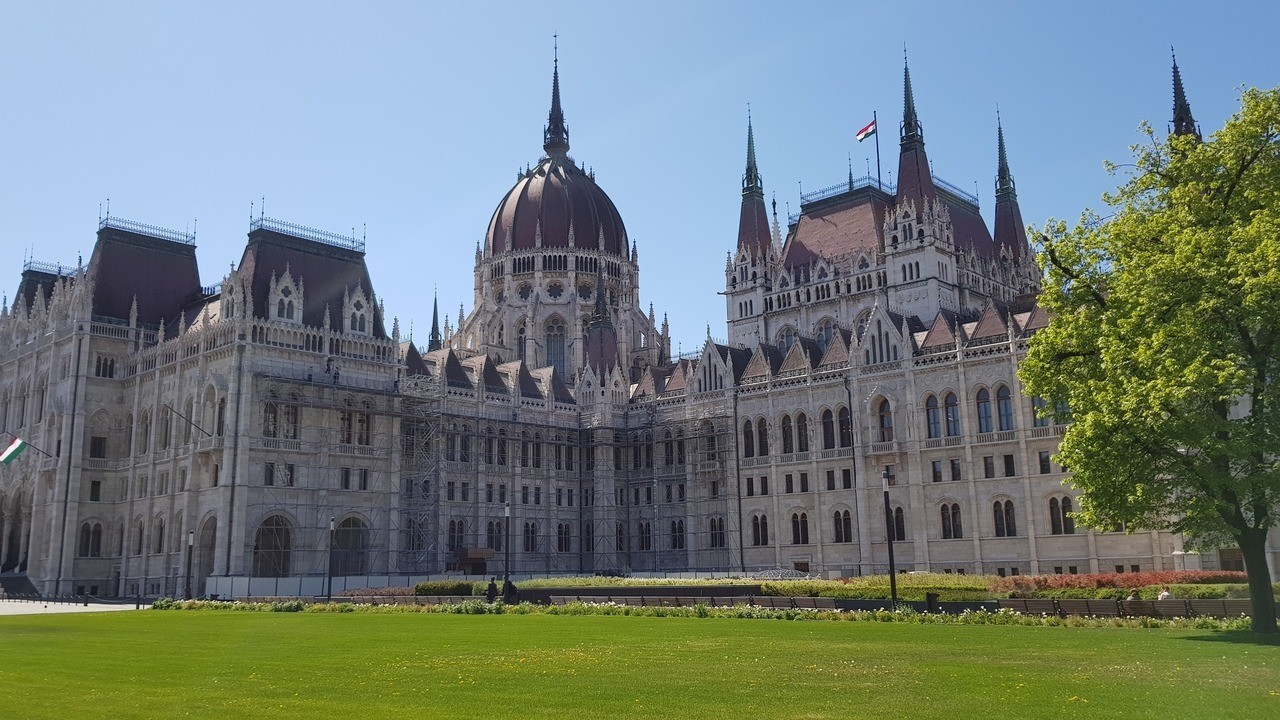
x=271 y=430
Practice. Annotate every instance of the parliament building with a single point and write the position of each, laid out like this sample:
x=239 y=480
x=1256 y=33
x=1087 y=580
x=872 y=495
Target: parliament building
x=276 y=428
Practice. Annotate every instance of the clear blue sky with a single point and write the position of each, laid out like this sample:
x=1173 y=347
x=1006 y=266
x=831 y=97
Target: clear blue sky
x=412 y=117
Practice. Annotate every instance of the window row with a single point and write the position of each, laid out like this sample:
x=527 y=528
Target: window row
x=836 y=429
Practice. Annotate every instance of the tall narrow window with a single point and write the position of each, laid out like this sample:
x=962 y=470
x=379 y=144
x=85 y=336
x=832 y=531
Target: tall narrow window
x=748 y=440
x=555 y=347
x=933 y=418
x=846 y=427
x=762 y=437
x=788 y=445
x=984 y=411
x=951 y=406
x=828 y=430
x=802 y=433
x=885 y=415
x=1004 y=408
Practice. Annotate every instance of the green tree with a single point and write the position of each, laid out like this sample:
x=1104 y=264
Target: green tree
x=1164 y=342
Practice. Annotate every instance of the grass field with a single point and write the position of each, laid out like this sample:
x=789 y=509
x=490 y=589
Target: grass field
x=304 y=665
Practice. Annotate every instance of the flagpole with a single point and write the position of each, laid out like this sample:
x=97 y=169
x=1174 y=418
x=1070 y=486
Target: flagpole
x=33 y=447
x=876 y=122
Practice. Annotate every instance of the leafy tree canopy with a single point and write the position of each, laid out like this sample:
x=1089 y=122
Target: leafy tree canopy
x=1165 y=341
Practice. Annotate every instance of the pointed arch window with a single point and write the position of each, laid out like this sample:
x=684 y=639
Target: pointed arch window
x=951 y=529
x=843 y=525
x=555 y=347
x=899 y=525
x=828 y=430
x=933 y=418
x=884 y=414
x=824 y=333
x=1060 y=520
x=1005 y=522
x=846 y=427
x=951 y=406
x=762 y=437
x=799 y=529
x=788 y=443
x=1004 y=407
x=984 y=411
x=802 y=433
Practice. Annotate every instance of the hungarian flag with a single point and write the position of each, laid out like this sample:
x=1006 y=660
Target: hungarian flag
x=13 y=451
x=867 y=131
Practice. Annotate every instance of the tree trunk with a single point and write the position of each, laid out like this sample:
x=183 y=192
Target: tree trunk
x=1253 y=545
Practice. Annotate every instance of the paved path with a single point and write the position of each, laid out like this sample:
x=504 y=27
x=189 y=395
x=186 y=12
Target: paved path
x=41 y=607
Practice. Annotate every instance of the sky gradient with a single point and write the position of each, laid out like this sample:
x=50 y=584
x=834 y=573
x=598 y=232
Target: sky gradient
x=407 y=121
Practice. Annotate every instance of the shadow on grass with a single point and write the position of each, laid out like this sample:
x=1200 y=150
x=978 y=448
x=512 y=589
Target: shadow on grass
x=1239 y=637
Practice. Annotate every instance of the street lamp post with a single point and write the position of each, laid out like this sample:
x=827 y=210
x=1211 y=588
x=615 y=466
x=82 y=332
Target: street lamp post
x=191 y=541
x=328 y=593
x=889 y=532
x=506 y=546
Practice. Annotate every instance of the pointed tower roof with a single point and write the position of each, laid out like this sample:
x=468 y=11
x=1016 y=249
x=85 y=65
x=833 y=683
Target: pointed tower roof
x=435 y=342
x=555 y=136
x=915 y=179
x=1010 y=232
x=601 y=338
x=753 y=225
x=1183 y=122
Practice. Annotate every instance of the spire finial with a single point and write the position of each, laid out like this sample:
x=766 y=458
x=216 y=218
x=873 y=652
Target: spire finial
x=1004 y=179
x=555 y=136
x=1183 y=122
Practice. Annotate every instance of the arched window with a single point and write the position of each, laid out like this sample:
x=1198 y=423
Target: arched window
x=846 y=427
x=272 y=545
x=530 y=537
x=555 y=347
x=1006 y=526
x=564 y=538
x=951 y=406
x=825 y=331
x=802 y=433
x=843 y=525
x=677 y=534
x=984 y=411
x=828 y=430
x=884 y=414
x=1004 y=408
x=220 y=422
x=762 y=437
x=351 y=547
x=799 y=529
x=788 y=444
x=933 y=418
x=82 y=548
x=748 y=440
x=1060 y=520
x=759 y=530
x=786 y=339
x=620 y=537
x=899 y=524
x=951 y=522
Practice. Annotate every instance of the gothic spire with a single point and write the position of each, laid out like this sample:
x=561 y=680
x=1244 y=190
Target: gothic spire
x=600 y=313
x=435 y=342
x=753 y=224
x=751 y=182
x=1004 y=180
x=911 y=131
x=555 y=136
x=601 y=337
x=1183 y=122
x=915 y=176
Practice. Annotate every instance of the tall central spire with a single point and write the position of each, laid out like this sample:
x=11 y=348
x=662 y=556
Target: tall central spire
x=751 y=182
x=434 y=341
x=910 y=121
x=1004 y=179
x=555 y=136
x=1183 y=122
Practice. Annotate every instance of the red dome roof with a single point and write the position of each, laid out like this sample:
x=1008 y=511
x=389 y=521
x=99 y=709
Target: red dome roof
x=554 y=199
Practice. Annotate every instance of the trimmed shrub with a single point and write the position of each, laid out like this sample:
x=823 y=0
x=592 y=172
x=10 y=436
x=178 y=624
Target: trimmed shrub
x=447 y=587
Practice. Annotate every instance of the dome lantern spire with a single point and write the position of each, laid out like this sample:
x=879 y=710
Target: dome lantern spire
x=555 y=136
x=1183 y=122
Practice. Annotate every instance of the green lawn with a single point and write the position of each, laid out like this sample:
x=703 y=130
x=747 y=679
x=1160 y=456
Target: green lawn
x=318 y=665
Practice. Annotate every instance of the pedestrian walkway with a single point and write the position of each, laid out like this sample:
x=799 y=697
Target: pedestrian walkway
x=47 y=607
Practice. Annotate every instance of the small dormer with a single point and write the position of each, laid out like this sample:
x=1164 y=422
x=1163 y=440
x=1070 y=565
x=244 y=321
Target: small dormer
x=357 y=312
x=285 y=304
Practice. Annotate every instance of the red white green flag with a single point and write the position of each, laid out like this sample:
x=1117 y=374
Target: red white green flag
x=867 y=131
x=12 y=452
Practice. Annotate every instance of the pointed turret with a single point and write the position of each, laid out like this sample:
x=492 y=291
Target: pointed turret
x=602 y=338
x=753 y=225
x=435 y=342
x=1010 y=233
x=555 y=136
x=915 y=180
x=1183 y=122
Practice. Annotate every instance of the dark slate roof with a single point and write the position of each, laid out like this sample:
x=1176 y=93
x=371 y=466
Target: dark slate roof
x=990 y=324
x=161 y=274
x=413 y=363
x=753 y=226
x=325 y=271
x=549 y=200
x=837 y=353
x=940 y=334
x=837 y=229
x=34 y=282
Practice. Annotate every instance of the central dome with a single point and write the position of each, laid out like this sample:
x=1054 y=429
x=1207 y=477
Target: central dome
x=556 y=205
